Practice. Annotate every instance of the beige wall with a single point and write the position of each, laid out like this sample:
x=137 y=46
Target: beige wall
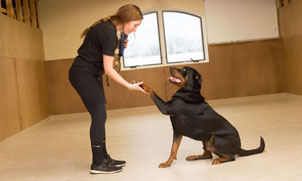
x=291 y=33
x=235 y=70
x=62 y=22
x=23 y=83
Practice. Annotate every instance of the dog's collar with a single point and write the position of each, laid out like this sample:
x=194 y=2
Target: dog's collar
x=189 y=96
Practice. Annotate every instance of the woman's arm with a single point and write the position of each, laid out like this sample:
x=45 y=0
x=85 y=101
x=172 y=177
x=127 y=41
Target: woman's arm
x=108 y=66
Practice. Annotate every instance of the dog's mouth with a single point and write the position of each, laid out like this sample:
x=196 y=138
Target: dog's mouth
x=175 y=80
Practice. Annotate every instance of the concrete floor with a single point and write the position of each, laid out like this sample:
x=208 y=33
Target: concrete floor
x=58 y=148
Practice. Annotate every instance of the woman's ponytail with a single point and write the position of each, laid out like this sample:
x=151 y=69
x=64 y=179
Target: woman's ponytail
x=84 y=33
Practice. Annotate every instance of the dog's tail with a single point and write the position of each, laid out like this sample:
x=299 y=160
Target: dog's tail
x=260 y=149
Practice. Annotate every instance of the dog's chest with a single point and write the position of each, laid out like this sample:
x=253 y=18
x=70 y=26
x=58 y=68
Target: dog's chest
x=192 y=121
x=188 y=125
x=180 y=125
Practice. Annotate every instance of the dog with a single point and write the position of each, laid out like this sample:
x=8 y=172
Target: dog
x=193 y=117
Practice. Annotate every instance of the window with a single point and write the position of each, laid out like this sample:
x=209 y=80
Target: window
x=143 y=47
x=165 y=38
x=183 y=37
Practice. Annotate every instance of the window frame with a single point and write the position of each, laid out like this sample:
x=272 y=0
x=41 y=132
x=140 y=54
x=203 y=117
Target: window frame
x=162 y=40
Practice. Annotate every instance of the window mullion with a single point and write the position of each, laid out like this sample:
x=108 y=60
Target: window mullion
x=162 y=38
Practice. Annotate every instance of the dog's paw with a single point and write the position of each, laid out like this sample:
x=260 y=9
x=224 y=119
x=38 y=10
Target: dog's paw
x=135 y=81
x=192 y=157
x=147 y=89
x=199 y=157
x=216 y=161
x=164 y=165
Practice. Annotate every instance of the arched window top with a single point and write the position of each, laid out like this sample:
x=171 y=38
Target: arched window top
x=167 y=37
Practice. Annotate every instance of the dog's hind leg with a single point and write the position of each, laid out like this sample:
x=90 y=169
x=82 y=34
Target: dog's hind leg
x=223 y=158
x=175 y=146
x=224 y=148
x=206 y=154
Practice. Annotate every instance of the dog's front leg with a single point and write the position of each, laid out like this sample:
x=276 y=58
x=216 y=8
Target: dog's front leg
x=175 y=146
x=164 y=107
x=147 y=89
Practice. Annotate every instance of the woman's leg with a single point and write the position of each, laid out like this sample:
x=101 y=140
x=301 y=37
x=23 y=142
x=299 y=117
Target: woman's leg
x=97 y=130
x=91 y=93
x=104 y=145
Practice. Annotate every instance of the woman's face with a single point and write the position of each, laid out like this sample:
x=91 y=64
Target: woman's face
x=131 y=26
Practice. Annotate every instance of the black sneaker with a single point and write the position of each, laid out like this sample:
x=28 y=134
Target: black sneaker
x=104 y=167
x=119 y=163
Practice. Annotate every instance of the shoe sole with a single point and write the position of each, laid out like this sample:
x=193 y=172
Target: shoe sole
x=104 y=172
x=121 y=165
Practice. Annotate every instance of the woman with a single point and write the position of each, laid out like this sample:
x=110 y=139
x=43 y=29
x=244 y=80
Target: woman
x=96 y=57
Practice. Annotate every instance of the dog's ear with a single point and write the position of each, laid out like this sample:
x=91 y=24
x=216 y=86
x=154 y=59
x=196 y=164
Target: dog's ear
x=198 y=78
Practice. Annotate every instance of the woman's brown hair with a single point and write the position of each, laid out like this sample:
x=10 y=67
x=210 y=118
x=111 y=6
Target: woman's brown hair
x=126 y=13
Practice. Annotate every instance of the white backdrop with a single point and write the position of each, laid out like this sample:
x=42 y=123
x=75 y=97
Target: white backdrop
x=241 y=20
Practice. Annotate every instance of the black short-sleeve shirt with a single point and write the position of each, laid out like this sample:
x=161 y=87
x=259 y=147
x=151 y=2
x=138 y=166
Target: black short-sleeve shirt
x=100 y=40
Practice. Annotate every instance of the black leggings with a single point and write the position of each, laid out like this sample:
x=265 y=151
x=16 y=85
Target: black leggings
x=90 y=88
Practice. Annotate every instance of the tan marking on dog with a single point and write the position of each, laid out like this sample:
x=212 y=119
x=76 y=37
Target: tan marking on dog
x=173 y=154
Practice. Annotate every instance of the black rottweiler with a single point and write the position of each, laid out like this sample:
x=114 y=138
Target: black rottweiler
x=191 y=116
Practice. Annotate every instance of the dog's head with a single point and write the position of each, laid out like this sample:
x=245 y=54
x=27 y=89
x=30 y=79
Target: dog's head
x=187 y=78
